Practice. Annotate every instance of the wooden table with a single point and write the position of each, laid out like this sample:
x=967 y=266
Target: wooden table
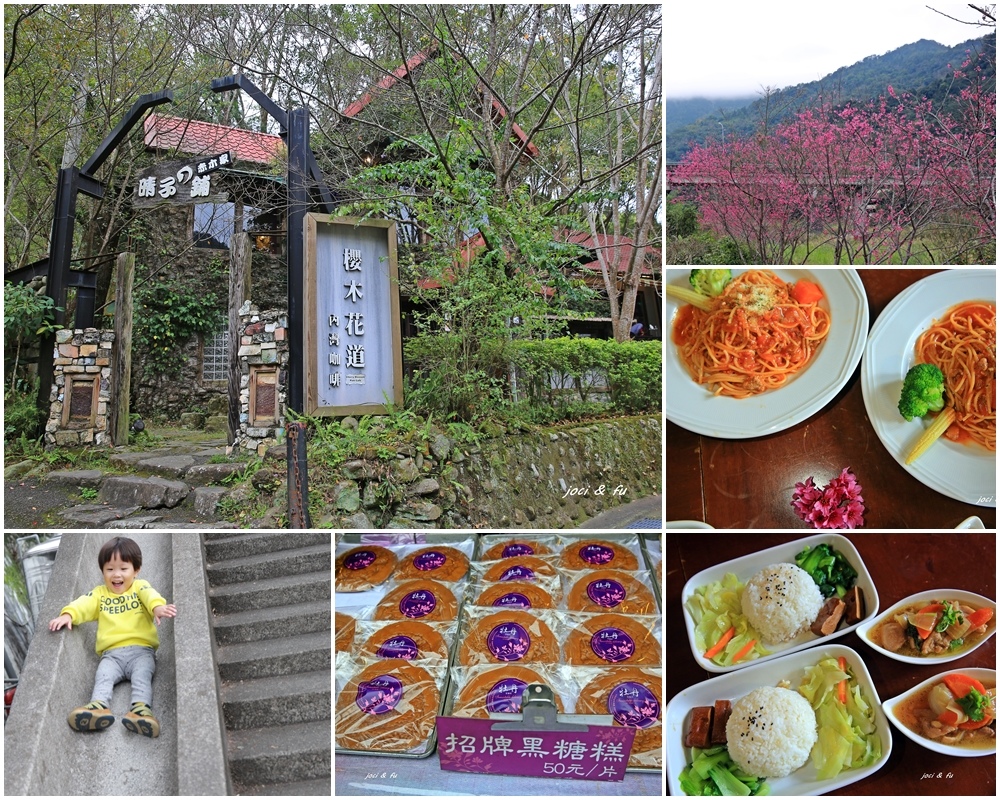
x=900 y=564
x=748 y=483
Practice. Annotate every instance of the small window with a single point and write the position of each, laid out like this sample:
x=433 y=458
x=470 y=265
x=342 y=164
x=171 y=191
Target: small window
x=214 y=223
x=215 y=357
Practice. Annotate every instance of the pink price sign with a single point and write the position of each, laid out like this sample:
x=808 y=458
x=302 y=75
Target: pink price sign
x=591 y=752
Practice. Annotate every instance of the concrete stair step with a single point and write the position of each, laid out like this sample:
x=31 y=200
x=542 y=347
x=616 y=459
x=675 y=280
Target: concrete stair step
x=255 y=543
x=279 y=700
x=284 y=590
x=314 y=558
x=289 y=759
x=285 y=656
x=320 y=787
x=272 y=623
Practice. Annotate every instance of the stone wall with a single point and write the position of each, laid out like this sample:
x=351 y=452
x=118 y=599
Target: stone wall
x=82 y=359
x=555 y=478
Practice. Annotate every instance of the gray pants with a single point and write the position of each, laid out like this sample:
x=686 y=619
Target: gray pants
x=136 y=664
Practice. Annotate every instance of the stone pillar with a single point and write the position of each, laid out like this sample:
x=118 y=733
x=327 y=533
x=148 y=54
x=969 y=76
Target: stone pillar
x=79 y=400
x=263 y=358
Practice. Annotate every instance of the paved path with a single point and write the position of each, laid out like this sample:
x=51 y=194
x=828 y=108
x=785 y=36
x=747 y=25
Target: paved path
x=647 y=512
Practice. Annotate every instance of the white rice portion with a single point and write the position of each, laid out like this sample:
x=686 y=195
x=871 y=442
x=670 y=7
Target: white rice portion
x=780 y=601
x=771 y=732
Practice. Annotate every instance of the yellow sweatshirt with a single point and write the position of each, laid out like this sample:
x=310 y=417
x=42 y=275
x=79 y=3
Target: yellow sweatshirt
x=122 y=619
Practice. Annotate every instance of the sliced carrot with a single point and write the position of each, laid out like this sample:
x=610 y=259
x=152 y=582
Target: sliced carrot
x=744 y=650
x=926 y=618
x=717 y=647
x=979 y=617
x=960 y=684
x=842 y=685
x=949 y=717
x=971 y=725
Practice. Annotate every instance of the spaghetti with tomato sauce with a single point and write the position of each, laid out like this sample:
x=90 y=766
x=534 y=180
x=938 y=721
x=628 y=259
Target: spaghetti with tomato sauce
x=963 y=345
x=756 y=336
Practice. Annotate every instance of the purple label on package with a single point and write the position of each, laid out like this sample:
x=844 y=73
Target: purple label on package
x=513 y=600
x=359 y=560
x=398 y=647
x=380 y=694
x=429 y=561
x=508 y=642
x=606 y=593
x=612 y=645
x=417 y=604
x=518 y=549
x=597 y=554
x=632 y=704
x=518 y=573
x=599 y=753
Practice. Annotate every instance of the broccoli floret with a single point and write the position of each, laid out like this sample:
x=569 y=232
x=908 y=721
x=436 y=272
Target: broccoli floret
x=923 y=391
x=710 y=282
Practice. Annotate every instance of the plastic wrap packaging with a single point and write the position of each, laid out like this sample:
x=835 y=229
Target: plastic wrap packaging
x=498 y=636
x=487 y=689
x=609 y=590
x=520 y=594
x=586 y=552
x=498 y=546
x=344 y=626
x=413 y=640
x=612 y=639
x=434 y=562
x=633 y=697
x=517 y=568
x=426 y=600
x=390 y=706
x=360 y=568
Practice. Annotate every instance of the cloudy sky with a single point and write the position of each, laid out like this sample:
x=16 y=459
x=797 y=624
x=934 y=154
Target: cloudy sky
x=733 y=48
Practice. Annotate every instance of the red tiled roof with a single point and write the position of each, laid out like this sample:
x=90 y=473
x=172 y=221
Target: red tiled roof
x=203 y=138
x=389 y=80
x=394 y=77
x=620 y=256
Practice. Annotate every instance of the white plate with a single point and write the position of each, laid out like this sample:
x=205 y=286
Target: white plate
x=925 y=597
x=687 y=524
x=732 y=687
x=946 y=749
x=746 y=567
x=696 y=409
x=962 y=472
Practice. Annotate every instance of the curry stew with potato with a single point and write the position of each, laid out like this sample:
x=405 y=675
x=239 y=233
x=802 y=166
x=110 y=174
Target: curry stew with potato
x=958 y=711
x=937 y=628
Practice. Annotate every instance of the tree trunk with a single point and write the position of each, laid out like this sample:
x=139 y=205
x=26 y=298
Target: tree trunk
x=121 y=359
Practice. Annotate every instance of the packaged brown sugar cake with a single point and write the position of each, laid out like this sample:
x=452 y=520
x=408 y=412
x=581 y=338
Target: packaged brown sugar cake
x=361 y=568
x=513 y=548
x=426 y=600
x=581 y=554
x=411 y=640
x=389 y=705
x=507 y=635
x=485 y=690
x=436 y=562
x=610 y=590
x=603 y=639
x=519 y=568
x=633 y=697
x=520 y=595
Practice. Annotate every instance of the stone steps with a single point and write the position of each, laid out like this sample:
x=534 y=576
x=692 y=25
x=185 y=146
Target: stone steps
x=270 y=599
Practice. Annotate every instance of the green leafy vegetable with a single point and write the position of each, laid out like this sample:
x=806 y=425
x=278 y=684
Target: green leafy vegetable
x=949 y=617
x=974 y=704
x=712 y=773
x=832 y=572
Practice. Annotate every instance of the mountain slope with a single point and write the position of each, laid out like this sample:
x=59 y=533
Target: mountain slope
x=921 y=68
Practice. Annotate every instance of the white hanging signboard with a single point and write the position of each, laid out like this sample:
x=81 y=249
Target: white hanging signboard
x=354 y=361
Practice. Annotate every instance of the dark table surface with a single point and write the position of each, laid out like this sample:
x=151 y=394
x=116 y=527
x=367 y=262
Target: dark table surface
x=748 y=483
x=900 y=564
